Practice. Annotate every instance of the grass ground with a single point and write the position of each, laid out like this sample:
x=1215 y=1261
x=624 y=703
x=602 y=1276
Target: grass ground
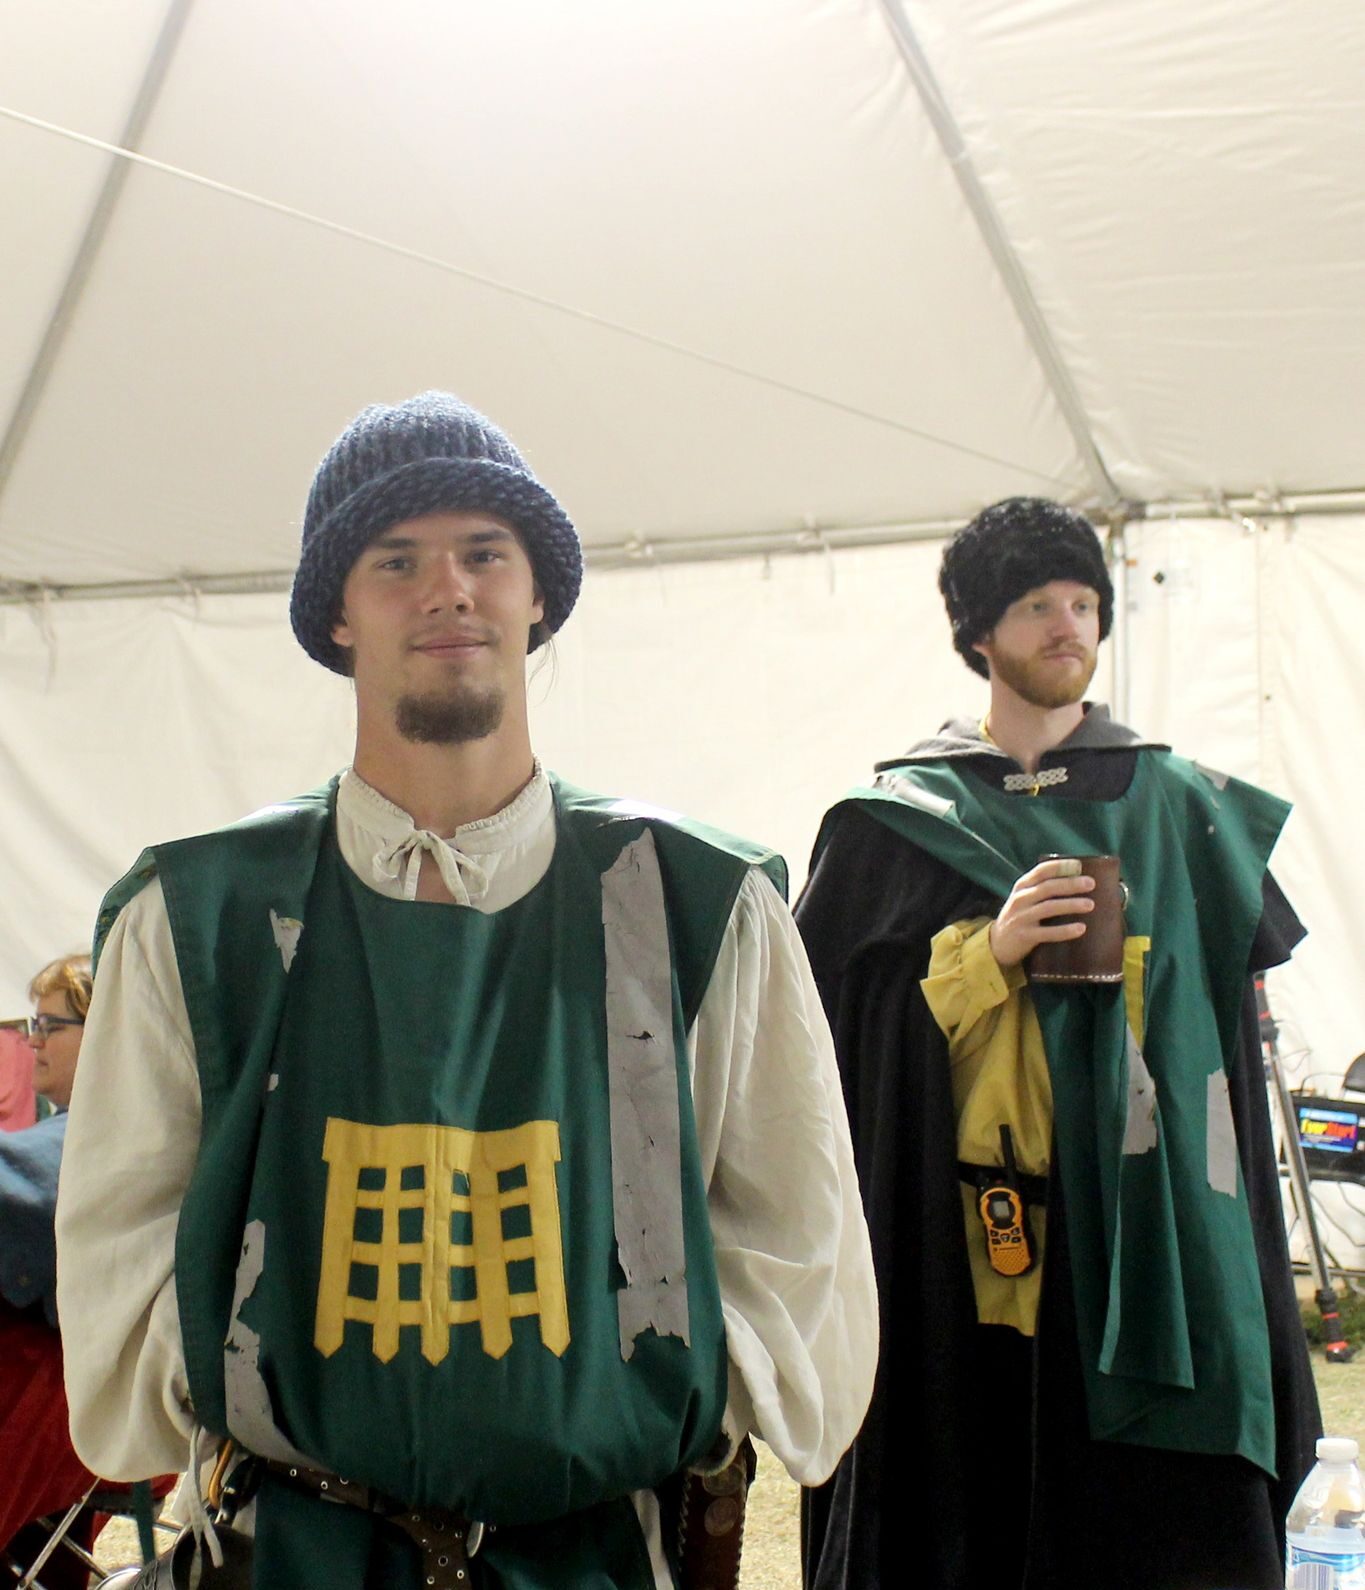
x=1341 y=1387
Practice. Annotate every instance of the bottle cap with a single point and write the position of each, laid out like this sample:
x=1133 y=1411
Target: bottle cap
x=1337 y=1449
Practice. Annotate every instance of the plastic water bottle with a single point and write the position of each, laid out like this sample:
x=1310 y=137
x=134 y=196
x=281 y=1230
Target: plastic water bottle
x=1326 y=1524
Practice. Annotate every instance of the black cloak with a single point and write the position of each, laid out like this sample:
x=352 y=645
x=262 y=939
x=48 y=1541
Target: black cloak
x=975 y=1469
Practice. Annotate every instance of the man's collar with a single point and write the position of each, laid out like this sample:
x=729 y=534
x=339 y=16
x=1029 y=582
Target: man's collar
x=963 y=737
x=513 y=825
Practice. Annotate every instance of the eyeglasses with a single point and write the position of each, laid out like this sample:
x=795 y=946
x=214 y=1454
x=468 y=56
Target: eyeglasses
x=44 y=1026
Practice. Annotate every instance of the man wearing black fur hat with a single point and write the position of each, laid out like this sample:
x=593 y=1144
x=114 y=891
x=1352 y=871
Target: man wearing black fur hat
x=470 y=1145
x=1091 y=1342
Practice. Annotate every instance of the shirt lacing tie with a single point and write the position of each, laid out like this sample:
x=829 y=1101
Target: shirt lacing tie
x=465 y=878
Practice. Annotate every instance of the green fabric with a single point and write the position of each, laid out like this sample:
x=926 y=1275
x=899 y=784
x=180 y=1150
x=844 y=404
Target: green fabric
x=686 y=849
x=306 y=1544
x=144 y=1516
x=1171 y=1315
x=373 y=1032
x=217 y=889
x=348 y=1033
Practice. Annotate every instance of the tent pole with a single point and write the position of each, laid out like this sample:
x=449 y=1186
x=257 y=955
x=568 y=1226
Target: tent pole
x=77 y=276
x=1002 y=252
x=1121 y=657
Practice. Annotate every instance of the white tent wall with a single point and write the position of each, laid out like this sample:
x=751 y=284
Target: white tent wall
x=750 y=693
x=1247 y=652
x=123 y=723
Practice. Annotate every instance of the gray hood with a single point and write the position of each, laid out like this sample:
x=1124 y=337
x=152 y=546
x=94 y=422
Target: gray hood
x=960 y=737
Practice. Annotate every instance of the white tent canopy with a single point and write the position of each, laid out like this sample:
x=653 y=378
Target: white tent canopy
x=709 y=262
x=739 y=278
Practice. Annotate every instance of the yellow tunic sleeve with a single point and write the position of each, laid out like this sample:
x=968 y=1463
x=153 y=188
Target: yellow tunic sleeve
x=999 y=1076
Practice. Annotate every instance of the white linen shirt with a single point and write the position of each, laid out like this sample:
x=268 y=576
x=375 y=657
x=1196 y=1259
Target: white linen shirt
x=792 y=1252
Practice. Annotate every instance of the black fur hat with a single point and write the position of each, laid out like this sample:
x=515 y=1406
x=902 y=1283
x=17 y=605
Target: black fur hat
x=1010 y=548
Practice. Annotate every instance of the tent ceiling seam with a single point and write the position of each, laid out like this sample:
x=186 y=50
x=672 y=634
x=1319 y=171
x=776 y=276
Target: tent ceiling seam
x=1001 y=250
x=87 y=251
x=129 y=157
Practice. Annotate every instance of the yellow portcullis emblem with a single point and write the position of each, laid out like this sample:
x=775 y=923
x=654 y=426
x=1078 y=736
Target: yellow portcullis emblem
x=424 y=1210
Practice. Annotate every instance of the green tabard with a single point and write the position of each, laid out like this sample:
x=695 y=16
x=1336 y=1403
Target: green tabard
x=405 y=1217
x=1171 y=1316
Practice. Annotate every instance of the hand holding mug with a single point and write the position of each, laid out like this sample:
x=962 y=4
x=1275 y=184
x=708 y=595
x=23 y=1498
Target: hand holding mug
x=1054 y=888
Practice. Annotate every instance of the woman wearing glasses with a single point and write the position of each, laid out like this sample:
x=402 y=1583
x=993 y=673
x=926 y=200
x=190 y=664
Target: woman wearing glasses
x=61 y=996
x=29 y=1160
x=39 y=1472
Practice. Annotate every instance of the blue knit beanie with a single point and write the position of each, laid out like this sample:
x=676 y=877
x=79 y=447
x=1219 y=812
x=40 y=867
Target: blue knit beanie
x=395 y=463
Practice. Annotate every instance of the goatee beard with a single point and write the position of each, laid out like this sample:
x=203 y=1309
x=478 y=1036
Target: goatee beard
x=449 y=720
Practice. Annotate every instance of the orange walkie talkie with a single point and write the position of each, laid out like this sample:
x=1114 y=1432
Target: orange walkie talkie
x=1002 y=1208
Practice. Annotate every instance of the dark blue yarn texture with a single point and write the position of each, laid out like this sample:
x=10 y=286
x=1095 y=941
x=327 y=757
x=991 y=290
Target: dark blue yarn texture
x=393 y=463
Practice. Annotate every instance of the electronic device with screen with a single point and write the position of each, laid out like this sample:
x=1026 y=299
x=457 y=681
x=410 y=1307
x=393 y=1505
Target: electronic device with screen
x=1332 y=1132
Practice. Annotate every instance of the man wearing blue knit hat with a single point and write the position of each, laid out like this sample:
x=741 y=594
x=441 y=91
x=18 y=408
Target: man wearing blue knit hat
x=498 y=1174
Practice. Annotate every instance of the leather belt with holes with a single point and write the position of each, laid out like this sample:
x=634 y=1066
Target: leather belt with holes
x=446 y=1540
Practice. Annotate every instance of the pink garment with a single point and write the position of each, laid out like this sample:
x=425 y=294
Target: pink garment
x=18 y=1105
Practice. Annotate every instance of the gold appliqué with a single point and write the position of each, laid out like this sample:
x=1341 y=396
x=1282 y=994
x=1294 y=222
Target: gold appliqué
x=441 y=1172
x=1136 y=949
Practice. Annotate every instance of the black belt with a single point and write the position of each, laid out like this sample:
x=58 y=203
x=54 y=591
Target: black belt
x=1033 y=1188
x=447 y=1540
